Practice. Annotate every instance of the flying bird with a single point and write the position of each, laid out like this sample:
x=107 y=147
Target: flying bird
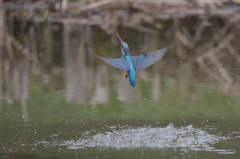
x=131 y=64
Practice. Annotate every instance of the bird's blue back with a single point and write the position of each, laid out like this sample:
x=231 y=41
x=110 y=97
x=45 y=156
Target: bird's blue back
x=131 y=72
x=132 y=76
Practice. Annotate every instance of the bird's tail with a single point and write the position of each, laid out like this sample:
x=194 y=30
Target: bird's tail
x=132 y=76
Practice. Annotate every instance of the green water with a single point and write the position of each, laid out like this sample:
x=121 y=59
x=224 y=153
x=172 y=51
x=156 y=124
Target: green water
x=89 y=110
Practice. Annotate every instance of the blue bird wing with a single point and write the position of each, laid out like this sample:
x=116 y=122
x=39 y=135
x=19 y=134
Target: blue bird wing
x=117 y=63
x=146 y=60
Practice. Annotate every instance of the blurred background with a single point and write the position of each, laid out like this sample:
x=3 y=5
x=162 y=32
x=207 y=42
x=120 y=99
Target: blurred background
x=58 y=101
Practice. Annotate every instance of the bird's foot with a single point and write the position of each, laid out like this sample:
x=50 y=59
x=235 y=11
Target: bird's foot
x=126 y=76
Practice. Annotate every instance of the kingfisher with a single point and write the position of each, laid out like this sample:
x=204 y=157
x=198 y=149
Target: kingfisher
x=130 y=64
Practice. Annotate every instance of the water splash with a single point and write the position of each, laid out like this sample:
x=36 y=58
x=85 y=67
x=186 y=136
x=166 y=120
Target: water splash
x=189 y=138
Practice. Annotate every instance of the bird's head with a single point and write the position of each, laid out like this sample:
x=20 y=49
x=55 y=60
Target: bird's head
x=124 y=46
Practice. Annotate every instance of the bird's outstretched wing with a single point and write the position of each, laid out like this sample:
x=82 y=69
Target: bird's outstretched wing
x=146 y=60
x=117 y=62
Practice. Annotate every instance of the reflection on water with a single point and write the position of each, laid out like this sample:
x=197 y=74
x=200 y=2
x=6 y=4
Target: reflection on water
x=56 y=96
x=213 y=61
x=75 y=63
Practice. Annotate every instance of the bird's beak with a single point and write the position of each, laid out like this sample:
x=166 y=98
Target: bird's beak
x=119 y=39
x=121 y=43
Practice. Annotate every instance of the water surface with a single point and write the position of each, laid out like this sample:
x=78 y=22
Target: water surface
x=63 y=103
